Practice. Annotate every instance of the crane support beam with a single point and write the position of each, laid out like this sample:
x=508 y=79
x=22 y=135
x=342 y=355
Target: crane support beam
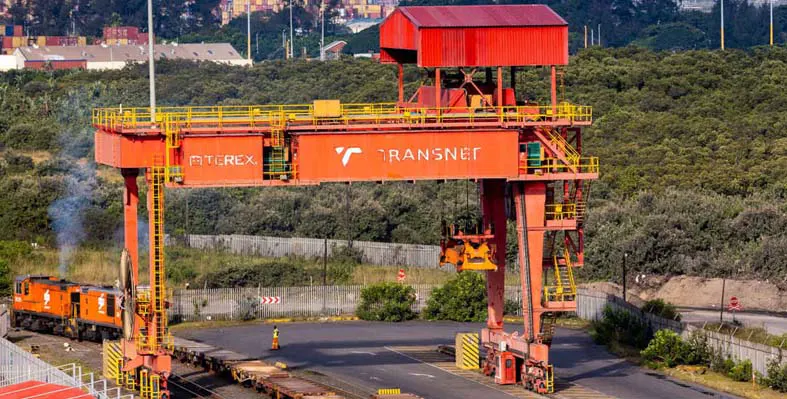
x=130 y=216
x=493 y=209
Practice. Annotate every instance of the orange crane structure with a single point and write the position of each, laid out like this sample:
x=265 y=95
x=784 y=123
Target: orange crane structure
x=467 y=124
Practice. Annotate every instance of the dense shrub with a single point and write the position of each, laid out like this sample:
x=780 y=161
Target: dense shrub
x=6 y=279
x=29 y=136
x=741 y=371
x=18 y=163
x=263 y=274
x=776 y=377
x=386 y=302
x=666 y=347
x=621 y=326
x=661 y=308
x=699 y=352
x=463 y=298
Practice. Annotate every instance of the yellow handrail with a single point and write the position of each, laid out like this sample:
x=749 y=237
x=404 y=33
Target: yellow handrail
x=351 y=114
x=554 y=165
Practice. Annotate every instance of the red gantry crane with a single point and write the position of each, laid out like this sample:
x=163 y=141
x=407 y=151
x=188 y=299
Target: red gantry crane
x=526 y=157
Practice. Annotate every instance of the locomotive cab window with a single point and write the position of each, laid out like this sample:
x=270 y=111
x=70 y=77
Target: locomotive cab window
x=18 y=288
x=27 y=288
x=111 y=305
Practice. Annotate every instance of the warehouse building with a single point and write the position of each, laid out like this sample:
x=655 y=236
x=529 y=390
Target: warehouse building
x=116 y=57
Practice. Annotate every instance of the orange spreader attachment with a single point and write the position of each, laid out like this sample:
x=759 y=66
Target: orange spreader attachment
x=469 y=252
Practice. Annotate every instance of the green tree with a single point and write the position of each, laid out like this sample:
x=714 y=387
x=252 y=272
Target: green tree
x=463 y=298
x=386 y=302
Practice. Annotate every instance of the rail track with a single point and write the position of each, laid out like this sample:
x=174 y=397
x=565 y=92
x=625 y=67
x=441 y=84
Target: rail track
x=178 y=383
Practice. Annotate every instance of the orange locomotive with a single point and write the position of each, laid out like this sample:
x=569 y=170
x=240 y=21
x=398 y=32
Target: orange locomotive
x=50 y=305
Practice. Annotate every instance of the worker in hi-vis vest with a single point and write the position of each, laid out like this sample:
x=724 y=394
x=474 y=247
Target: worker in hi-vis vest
x=275 y=344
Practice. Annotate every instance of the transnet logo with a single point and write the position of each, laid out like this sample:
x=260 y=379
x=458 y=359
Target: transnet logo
x=101 y=303
x=47 y=297
x=427 y=154
x=347 y=153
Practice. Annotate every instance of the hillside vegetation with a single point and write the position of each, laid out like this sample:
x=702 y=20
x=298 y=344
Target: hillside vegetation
x=692 y=147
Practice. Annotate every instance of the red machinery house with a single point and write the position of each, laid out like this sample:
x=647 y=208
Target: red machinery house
x=469 y=37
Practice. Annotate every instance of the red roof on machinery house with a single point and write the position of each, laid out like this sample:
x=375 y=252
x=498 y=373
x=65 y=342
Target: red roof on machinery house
x=483 y=16
x=42 y=390
x=486 y=35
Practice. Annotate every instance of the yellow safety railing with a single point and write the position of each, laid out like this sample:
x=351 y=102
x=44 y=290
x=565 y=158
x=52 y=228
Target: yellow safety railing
x=351 y=114
x=562 y=291
x=144 y=385
x=550 y=379
x=581 y=210
x=554 y=165
x=561 y=211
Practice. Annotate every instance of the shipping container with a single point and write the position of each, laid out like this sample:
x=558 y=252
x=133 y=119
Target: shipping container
x=53 y=41
x=8 y=43
x=123 y=42
x=18 y=31
x=41 y=41
x=19 y=41
x=406 y=156
x=56 y=64
x=82 y=41
x=8 y=30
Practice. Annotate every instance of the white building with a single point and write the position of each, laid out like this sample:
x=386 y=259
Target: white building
x=116 y=57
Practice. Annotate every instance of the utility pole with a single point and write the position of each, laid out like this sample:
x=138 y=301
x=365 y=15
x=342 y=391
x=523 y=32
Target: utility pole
x=248 y=30
x=322 y=33
x=771 y=23
x=722 y=23
x=151 y=67
x=721 y=305
x=625 y=257
x=586 y=36
x=599 y=35
x=292 y=41
x=592 y=36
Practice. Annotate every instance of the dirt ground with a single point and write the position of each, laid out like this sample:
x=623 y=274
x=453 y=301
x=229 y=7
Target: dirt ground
x=685 y=291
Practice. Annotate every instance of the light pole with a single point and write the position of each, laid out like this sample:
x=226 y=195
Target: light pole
x=771 y=23
x=322 y=33
x=722 y=23
x=248 y=30
x=151 y=67
x=292 y=45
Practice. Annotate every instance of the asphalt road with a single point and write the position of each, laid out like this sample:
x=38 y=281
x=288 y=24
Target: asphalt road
x=774 y=324
x=357 y=353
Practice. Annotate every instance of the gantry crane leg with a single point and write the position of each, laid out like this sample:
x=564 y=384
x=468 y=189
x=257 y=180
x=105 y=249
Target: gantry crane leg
x=534 y=370
x=494 y=214
x=145 y=352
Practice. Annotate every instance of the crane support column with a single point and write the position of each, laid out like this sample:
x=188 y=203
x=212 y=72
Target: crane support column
x=530 y=210
x=493 y=207
x=130 y=204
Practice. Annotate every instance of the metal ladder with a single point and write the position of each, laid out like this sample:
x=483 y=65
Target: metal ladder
x=157 y=286
x=277 y=163
x=172 y=135
x=564 y=275
x=550 y=379
x=572 y=156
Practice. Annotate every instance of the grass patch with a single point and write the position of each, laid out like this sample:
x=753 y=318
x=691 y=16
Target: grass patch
x=720 y=382
x=572 y=322
x=752 y=334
